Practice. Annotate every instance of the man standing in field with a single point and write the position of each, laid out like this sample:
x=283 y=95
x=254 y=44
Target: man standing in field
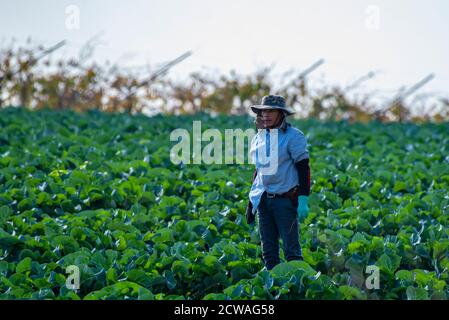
x=280 y=196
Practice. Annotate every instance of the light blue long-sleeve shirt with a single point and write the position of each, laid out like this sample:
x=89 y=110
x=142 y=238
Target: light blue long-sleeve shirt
x=292 y=147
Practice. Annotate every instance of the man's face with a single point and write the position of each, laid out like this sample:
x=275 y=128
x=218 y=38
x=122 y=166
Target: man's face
x=270 y=118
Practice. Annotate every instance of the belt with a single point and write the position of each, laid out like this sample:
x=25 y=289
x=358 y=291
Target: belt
x=291 y=194
x=275 y=195
x=272 y=195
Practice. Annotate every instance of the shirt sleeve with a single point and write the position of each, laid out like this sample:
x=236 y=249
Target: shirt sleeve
x=297 y=147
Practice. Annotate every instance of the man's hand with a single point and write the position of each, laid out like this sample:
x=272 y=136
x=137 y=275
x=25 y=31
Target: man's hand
x=303 y=209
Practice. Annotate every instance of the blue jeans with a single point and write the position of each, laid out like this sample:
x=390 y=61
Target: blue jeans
x=278 y=219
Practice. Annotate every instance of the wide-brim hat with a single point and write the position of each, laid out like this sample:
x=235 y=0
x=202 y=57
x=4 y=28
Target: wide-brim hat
x=272 y=102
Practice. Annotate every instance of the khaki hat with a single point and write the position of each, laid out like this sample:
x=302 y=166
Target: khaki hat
x=272 y=102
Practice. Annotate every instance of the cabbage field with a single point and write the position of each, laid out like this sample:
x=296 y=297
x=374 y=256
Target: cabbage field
x=98 y=191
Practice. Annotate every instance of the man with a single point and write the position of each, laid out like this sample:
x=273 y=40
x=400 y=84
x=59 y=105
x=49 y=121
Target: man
x=281 y=196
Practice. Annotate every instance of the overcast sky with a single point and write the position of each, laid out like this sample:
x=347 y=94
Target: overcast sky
x=403 y=39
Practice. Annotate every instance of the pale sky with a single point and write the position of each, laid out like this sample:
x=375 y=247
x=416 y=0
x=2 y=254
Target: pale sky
x=403 y=39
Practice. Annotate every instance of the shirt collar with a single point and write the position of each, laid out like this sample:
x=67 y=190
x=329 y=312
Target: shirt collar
x=283 y=126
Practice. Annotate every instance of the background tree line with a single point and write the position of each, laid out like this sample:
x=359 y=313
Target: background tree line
x=30 y=78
